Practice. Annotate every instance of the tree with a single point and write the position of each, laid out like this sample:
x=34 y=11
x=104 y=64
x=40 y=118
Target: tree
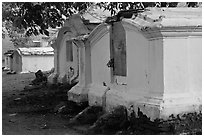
x=37 y=17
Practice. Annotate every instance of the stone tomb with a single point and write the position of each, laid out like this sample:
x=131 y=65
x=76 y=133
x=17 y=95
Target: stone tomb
x=152 y=61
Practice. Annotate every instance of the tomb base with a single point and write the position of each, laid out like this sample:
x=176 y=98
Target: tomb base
x=150 y=106
x=109 y=98
x=78 y=94
x=180 y=103
x=96 y=95
x=155 y=104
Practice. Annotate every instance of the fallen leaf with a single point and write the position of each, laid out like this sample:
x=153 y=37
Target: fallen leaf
x=14 y=114
x=17 y=99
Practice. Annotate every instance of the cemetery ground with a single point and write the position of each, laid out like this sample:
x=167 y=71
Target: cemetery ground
x=45 y=110
x=31 y=112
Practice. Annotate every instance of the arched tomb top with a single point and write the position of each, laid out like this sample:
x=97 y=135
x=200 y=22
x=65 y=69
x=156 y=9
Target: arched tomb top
x=73 y=27
x=98 y=33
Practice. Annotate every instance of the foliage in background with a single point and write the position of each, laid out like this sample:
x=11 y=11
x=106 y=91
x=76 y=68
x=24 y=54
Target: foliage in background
x=17 y=36
x=23 y=19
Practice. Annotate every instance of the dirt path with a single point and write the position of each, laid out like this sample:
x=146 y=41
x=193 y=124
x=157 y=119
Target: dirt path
x=29 y=113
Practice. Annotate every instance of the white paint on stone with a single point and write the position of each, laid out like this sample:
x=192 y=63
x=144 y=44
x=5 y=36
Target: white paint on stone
x=33 y=59
x=163 y=67
x=96 y=95
x=35 y=63
x=73 y=32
